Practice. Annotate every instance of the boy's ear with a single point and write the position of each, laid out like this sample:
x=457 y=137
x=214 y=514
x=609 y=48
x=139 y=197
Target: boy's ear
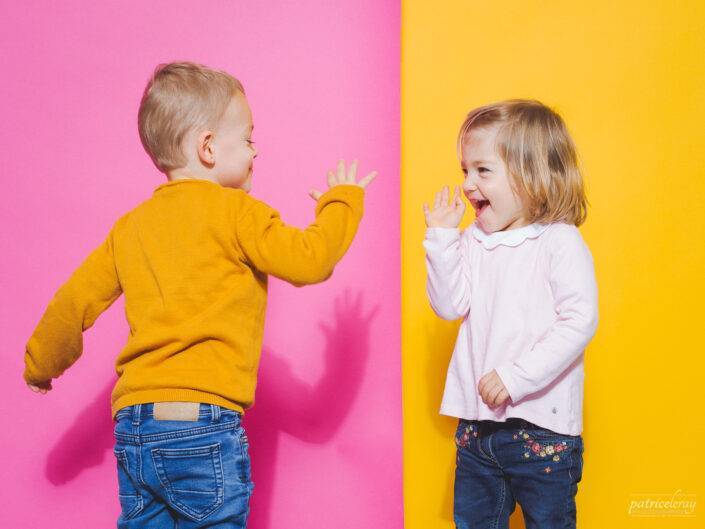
x=205 y=150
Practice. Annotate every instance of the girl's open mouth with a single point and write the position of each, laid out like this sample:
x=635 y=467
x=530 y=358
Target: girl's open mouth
x=480 y=206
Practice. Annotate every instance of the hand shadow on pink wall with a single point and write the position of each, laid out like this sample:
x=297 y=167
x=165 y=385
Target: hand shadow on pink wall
x=310 y=412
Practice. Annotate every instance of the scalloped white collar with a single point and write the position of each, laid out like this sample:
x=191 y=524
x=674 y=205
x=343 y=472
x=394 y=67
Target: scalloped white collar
x=512 y=237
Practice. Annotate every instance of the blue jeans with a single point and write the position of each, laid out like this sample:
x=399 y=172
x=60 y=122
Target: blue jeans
x=501 y=463
x=186 y=474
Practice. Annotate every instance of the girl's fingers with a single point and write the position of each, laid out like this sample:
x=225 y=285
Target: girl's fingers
x=491 y=394
x=481 y=385
x=315 y=194
x=364 y=182
x=494 y=394
x=459 y=200
x=331 y=179
x=352 y=171
x=487 y=396
x=461 y=206
x=437 y=201
x=444 y=196
x=498 y=399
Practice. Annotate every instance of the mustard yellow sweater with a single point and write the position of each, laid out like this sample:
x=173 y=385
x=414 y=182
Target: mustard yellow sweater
x=193 y=262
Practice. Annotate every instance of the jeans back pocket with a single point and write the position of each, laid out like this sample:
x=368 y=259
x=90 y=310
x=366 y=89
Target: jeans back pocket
x=130 y=498
x=192 y=478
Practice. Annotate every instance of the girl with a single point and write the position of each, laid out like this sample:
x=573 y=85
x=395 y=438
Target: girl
x=522 y=279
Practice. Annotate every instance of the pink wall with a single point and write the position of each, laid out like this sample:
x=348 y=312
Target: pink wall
x=323 y=83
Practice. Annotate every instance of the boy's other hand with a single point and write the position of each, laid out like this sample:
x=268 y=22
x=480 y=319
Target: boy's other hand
x=43 y=389
x=344 y=177
x=445 y=213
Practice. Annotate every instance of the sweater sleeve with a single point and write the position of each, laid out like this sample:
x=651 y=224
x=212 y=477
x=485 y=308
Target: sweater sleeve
x=57 y=341
x=574 y=288
x=298 y=256
x=448 y=272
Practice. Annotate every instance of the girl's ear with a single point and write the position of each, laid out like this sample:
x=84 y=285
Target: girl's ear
x=204 y=148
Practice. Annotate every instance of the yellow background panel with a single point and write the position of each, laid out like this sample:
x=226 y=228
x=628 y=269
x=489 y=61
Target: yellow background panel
x=629 y=81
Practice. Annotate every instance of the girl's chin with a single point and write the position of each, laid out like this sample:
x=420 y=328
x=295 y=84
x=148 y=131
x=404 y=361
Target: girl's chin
x=483 y=221
x=485 y=227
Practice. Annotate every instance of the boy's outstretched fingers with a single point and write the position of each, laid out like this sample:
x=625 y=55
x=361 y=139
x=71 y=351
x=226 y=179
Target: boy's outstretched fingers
x=365 y=181
x=341 y=172
x=343 y=176
x=352 y=171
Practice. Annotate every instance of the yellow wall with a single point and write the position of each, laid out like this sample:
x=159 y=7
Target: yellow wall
x=629 y=81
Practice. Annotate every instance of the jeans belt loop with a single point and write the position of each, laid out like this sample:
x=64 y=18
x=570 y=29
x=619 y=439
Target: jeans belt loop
x=136 y=412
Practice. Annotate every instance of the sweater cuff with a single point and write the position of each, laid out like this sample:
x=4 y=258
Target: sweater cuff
x=31 y=377
x=350 y=194
x=505 y=375
x=438 y=239
x=442 y=233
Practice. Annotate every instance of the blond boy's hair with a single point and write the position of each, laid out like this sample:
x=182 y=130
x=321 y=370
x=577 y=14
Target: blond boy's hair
x=535 y=145
x=181 y=97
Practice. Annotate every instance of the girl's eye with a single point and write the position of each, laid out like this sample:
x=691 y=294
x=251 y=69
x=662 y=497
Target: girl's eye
x=479 y=170
x=250 y=142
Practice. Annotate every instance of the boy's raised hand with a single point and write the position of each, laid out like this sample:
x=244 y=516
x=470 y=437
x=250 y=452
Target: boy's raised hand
x=445 y=213
x=344 y=177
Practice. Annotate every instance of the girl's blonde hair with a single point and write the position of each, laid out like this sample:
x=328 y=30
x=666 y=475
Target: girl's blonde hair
x=540 y=156
x=180 y=97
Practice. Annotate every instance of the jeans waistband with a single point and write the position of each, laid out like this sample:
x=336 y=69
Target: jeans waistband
x=139 y=412
x=510 y=423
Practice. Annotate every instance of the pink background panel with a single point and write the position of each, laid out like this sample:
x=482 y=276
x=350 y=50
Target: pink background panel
x=322 y=79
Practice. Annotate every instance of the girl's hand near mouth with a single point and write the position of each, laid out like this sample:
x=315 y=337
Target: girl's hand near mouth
x=446 y=213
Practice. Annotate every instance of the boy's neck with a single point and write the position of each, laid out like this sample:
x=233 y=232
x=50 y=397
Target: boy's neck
x=184 y=173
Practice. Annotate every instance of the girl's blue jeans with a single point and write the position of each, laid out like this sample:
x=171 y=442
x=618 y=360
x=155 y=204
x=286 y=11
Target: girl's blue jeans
x=501 y=463
x=185 y=474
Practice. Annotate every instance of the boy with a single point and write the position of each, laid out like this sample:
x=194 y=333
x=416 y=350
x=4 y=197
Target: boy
x=193 y=262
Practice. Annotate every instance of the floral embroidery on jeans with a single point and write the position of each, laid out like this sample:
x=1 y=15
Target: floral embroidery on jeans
x=463 y=440
x=542 y=450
